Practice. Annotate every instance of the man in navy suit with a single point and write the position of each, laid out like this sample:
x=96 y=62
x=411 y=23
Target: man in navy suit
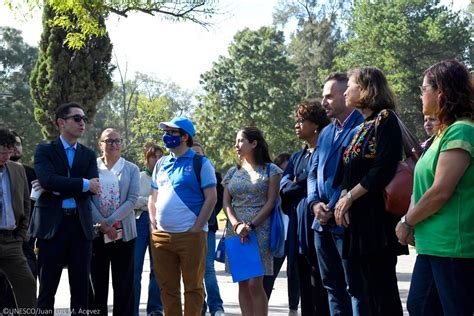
x=322 y=196
x=62 y=218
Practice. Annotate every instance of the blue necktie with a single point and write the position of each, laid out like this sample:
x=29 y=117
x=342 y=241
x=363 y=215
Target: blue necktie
x=69 y=203
x=70 y=156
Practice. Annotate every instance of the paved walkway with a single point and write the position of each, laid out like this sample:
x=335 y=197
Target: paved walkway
x=278 y=305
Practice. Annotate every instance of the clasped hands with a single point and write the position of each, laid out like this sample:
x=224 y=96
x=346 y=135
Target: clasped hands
x=242 y=229
x=405 y=234
x=341 y=211
x=322 y=213
x=108 y=230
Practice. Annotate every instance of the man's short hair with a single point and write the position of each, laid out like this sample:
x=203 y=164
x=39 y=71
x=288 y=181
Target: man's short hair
x=340 y=77
x=7 y=139
x=16 y=135
x=63 y=110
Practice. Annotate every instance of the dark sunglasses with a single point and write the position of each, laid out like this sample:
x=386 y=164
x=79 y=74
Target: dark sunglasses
x=77 y=118
x=111 y=141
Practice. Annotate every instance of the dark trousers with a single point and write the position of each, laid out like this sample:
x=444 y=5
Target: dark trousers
x=441 y=286
x=334 y=271
x=293 y=280
x=68 y=247
x=374 y=285
x=29 y=252
x=314 y=297
x=17 y=272
x=119 y=256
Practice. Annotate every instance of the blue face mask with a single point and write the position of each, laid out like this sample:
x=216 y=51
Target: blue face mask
x=171 y=141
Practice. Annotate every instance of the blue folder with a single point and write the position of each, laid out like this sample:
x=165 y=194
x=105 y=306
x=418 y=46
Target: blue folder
x=244 y=258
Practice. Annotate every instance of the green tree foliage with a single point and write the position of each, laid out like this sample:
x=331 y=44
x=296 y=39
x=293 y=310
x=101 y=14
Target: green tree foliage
x=313 y=45
x=105 y=117
x=404 y=37
x=313 y=49
x=16 y=110
x=135 y=106
x=145 y=125
x=83 y=19
x=65 y=75
x=253 y=86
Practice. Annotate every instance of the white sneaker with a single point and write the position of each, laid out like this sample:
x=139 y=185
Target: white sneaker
x=219 y=313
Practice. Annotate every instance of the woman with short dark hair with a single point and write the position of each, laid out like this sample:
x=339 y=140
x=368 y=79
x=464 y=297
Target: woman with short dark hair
x=304 y=280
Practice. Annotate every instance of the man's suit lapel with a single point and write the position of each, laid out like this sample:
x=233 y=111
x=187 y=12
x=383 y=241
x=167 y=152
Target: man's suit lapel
x=61 y=153
x=13 y=177
x=335 y=149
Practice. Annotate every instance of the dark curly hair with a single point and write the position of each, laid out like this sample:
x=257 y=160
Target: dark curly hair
x=261 y=154
x=455 y=83
x=311 y=110
x=375 y=93
x=7 y=139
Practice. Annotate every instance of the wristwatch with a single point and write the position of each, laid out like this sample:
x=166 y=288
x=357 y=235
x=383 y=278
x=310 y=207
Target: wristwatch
x=349 y=195
x=251 y=225
x=403 y=220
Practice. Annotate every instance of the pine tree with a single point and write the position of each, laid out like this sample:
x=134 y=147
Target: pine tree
x=65 y=75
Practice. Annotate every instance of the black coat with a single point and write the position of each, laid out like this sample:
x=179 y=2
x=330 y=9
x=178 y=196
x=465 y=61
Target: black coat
x=51 y=167
x=371 y=160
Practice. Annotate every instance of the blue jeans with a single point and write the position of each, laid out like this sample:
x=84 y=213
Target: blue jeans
x=334 y=272
x=142 y=242
x=441 y=286
x=213 y=296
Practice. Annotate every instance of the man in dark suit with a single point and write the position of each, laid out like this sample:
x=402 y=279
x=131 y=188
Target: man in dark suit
x=62 y=218
x=322 y=195
x=14 y=217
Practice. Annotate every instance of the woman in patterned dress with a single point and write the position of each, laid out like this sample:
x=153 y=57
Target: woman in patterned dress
x=370 y=162
x=250 y=192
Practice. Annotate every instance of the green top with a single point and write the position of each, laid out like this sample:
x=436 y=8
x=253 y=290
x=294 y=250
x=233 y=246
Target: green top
x=450 y=231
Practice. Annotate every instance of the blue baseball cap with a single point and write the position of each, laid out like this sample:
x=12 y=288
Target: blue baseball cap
x=180 y=122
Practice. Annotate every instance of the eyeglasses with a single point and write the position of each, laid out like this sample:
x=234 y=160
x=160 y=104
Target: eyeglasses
x=423 y=89
x=77 y=118
x=111 y=141
x=6 y=152
x=172 y=132
x=300 y=120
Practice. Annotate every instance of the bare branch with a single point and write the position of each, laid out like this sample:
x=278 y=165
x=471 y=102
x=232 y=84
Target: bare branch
x=188 y=12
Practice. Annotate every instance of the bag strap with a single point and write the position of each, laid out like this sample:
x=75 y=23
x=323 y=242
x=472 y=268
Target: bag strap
x=197 y=166
x=411 y=146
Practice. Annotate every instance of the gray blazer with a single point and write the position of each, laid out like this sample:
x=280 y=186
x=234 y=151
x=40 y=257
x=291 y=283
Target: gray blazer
x=129 y=183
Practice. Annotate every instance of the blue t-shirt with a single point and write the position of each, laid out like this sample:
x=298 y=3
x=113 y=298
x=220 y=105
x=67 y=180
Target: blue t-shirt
x=180 y=197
